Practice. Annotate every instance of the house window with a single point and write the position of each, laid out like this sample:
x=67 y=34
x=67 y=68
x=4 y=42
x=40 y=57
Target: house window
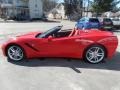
x=36 y=5
x=10 y=1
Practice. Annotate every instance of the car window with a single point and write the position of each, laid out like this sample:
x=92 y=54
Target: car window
x=115 y=20
x=107 y=20
x=49 y=32
x=93 y=20
x=82 y=20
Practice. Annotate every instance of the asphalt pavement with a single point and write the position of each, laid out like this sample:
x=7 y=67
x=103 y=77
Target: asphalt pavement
x=55 y=74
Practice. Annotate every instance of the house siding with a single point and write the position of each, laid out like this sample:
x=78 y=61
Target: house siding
x=27 y=9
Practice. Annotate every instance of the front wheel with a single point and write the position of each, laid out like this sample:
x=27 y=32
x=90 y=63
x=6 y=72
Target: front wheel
x=15 y=53
x=95 y=54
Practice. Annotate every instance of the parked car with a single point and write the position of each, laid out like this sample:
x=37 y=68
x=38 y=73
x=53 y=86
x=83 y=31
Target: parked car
x=107 y=23
x=91 y=45
x=88 y=23
x=116 y=22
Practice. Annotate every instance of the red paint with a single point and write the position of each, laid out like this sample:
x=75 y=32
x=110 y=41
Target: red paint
x=72 y=46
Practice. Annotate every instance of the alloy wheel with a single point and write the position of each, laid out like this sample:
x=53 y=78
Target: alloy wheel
x=15 y=53
x=95 y=54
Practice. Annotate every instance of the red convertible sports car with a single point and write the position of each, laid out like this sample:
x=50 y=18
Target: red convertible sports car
x=91 y=45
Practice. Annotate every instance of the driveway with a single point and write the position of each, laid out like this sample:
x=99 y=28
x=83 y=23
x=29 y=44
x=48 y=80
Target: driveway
x=55 y=74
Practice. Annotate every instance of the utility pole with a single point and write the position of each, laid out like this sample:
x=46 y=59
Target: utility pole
x=84 y=2
x=81 y=8
x=54 y=3
x=88 y=7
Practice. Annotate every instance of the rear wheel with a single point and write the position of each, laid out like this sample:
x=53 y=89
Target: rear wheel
x=15 y=53
x=95 y=54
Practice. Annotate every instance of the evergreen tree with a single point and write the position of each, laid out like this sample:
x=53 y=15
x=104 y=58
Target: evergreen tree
x=100 y=6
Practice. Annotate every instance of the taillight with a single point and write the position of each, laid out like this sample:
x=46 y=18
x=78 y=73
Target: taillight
x=107 y=22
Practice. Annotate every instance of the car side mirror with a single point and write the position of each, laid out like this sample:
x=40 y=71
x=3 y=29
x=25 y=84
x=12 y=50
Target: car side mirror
x=50 y=38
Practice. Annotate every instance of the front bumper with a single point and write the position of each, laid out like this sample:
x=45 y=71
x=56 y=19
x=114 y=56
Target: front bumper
x=4 y=49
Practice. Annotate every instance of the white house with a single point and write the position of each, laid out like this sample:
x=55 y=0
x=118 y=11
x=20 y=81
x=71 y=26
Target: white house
x=35 y=8
x=58 y=12
x=117 y=14
x=27 y=8
x=109 y=14
x=6 y=8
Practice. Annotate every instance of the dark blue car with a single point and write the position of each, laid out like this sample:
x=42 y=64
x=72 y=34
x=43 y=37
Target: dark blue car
x=88 y=23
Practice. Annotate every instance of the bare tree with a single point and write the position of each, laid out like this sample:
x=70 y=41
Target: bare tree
x=73 y=8
x=49 y=5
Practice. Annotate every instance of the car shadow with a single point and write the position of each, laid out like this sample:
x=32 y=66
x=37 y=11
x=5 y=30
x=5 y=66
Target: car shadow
x=112 y=64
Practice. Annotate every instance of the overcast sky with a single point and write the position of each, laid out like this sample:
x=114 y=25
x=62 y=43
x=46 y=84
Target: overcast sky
x=60 y=1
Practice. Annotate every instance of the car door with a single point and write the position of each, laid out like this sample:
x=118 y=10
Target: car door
x=58 y=47
x=41 y=46
x=64 y=47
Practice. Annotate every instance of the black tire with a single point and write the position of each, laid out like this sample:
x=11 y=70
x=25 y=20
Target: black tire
x=92 y=56
x=9 y=52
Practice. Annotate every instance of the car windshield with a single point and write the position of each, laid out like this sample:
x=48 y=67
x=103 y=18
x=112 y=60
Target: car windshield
x=50 y=31
x=115 y=20
x=94 y=20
